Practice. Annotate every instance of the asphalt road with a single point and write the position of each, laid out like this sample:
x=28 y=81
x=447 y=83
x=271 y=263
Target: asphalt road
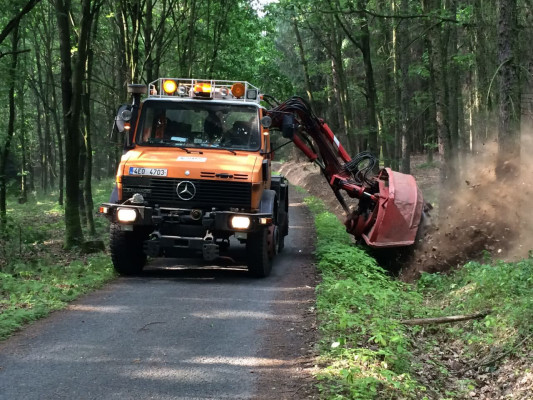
x=177 y=332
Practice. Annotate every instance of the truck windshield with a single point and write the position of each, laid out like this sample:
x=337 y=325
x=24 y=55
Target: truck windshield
x=199 y=124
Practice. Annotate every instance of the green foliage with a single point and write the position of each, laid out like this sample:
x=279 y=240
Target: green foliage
x=367 y=354
x=366 y=349
x=504 y=288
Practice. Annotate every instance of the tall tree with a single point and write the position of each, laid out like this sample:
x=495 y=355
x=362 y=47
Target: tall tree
x=73 y=231
x=510 y=103
x=4 y=153
x=72 y=76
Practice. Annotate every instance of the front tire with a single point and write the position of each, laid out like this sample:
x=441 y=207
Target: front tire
x=126 y=249
x=258 y=255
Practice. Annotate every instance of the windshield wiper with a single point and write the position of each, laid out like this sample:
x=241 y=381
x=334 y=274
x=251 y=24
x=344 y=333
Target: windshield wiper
x=231 y=151
x=183 y=148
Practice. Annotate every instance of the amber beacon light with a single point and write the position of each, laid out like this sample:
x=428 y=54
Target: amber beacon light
x=170 y=86
x=237 y=89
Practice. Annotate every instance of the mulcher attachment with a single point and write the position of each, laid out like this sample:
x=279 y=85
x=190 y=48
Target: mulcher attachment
x=393 y=219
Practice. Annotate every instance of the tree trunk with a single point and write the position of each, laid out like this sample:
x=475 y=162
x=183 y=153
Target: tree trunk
x=303 y=61
x=23 y=197
x=71 y=102
x=481 y=120
x=439 y=61
x=454 y=94
x=87 y=187
x=508 y=161
x=159 y=39
x=388 y=120
x=148 y=41
x=397 y=93
x=403 y=64
x=42 y=145
x=372 y=96
x=10 y=128
x=50 y=104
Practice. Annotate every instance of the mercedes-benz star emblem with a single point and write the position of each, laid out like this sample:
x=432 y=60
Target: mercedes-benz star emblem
x=186 y=190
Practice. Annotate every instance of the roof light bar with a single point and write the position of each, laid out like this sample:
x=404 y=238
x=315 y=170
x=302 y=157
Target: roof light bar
x=187 y=88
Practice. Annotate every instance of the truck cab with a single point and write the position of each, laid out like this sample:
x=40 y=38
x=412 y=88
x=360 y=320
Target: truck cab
x=196 y=172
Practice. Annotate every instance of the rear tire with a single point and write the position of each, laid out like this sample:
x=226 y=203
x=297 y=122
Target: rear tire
x=126 y=249
x=257 y=253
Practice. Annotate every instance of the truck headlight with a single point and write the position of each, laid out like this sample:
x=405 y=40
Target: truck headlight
x=126 y=214
x=240 y=222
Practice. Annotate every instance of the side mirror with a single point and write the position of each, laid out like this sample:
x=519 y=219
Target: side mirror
x=288 y=126
x=266 y=122
x=124 y=115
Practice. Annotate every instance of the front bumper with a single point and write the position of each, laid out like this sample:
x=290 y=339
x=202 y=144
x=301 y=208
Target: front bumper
x=210 y=220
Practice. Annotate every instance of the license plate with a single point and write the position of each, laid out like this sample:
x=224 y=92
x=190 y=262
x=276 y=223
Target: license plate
x=148 y=171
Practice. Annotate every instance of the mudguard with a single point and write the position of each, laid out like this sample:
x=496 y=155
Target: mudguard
x=268 y=204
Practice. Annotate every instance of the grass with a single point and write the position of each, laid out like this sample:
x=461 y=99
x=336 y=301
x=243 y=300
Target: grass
x=29 y=291
x=365 y=349
x=366 y=353
x=504 y=288
x=37 y=275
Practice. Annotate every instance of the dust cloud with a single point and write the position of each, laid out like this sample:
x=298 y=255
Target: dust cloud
x=483 y=216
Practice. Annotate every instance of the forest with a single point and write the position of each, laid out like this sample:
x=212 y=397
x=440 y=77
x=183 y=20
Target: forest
x=392 y=77
x=444 y=82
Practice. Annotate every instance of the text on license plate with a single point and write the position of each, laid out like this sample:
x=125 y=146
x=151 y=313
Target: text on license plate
x=148 y=171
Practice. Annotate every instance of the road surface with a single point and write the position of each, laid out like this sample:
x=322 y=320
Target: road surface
x=177 y=333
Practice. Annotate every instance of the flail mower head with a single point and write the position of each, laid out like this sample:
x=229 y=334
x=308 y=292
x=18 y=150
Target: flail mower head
x=392 y=216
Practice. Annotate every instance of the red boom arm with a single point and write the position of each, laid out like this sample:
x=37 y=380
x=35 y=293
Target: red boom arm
x=390 y=203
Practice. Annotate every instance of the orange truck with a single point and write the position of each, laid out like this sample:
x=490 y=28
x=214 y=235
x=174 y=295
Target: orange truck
x=196 y=173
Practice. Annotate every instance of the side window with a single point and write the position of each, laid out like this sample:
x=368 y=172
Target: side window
x=147 y=126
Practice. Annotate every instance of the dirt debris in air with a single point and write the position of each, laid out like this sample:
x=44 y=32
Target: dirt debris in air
x=481 y=216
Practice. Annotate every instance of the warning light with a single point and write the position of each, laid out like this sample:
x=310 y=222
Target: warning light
x=202 y=88
x=237 y=89
x=169 y=86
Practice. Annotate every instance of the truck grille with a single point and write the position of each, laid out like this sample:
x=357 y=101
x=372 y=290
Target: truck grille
x=162 y=191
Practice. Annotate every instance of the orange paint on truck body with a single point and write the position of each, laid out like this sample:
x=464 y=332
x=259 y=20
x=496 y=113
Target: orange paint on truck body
x=217 y=165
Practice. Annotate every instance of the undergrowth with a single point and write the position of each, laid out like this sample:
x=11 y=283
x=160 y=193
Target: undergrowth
x=31 y=291
x=366 y=353
x=359 y=308
x=36 y=274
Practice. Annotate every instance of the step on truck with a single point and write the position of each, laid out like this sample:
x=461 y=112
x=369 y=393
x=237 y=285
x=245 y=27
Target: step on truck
x=195 y=173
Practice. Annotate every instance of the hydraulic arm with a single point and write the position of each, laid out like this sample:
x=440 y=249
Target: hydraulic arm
x=390 y=203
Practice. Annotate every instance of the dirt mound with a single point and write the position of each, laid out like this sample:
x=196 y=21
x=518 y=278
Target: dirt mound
x=481 y=217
